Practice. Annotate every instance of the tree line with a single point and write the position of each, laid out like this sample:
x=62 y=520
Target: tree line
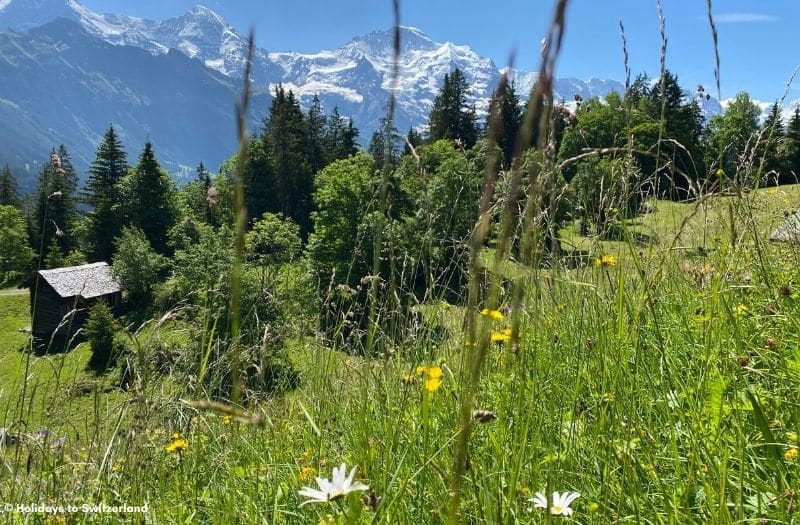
x=613 y=153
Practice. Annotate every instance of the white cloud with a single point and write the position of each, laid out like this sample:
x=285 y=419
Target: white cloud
x=744 y=18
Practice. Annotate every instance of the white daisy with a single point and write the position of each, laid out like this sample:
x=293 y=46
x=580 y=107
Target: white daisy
x=560 y=504
x=339 y=485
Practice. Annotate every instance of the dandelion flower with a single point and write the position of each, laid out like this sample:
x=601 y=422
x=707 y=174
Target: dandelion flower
x=495 y=315
x=606 y=260
x=560 y=506
x=432 y=384
x=434 y=372
x=500 y=337
x=338 y=486
x=790 y=454
x=177 y=445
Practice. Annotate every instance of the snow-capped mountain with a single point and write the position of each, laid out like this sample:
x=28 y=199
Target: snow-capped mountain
x=355 y=77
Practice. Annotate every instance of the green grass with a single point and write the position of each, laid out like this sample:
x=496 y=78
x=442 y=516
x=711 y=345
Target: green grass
x=662 y=388
x=59 y=393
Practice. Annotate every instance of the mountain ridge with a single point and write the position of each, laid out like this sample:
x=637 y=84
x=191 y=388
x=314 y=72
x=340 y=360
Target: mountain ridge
x=355 y=77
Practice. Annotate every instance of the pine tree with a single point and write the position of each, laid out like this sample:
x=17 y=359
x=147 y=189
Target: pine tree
x=103 y=194
x=316 y=136
x=451 y=117
x=414 y=139
x=285 y=140
x=770 y=147
x=340 y=138
x=378 y=146
x=510 y=120
x=55 y=212
x=9 y=194
x=792 y=147
x=150 y=199
x=259 y=181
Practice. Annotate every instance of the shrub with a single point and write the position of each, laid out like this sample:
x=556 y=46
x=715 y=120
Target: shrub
x=100 y=329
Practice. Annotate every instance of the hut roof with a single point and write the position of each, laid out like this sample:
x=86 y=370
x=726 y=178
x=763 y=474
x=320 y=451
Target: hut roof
x=87 y=281
x=789 y=231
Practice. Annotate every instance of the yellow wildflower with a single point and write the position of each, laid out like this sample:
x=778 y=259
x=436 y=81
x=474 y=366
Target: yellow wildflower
x=495 y=315
x=227 y=420
x=306 y=473
x=178 y=444
x=409 y=378
x=742 y=309
x=434 y=372
x=500 y=337
x=606 y=260
x=790 y=454
x=432 y=384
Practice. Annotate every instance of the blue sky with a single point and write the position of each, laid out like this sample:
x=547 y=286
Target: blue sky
x=759 y=45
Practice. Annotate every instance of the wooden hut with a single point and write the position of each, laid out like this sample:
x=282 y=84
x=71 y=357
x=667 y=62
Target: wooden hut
x=61 y=298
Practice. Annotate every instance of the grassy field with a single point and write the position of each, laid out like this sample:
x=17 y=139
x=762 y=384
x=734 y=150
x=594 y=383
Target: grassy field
x=662 y=386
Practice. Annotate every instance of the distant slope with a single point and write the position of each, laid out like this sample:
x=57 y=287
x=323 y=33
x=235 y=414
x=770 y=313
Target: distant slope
x=61 y=84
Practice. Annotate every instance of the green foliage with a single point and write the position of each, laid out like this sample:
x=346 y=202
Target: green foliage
x=16 y=257
x=791 y=147
x=770 y=157
x=285 y=144
x=55 y=213
x=103 y=194
x=597 y=125
x=100 y=329
x=9 y=192
x=150 y=198
x=451 y=116
x=340 y=137
x=442 y=195
x=138 y=267
x=385 y=146
x=340 y=243
x=607 y=190
x=272 y=241
x=202 y=265
x=733 y=137
x=507 y=105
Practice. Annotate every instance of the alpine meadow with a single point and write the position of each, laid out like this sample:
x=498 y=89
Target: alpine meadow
x=402 y=285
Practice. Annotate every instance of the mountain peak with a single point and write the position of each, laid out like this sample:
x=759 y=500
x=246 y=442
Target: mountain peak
x=382 y=42
x=202 y=12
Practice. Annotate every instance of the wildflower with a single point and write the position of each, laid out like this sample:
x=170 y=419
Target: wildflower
x=227 y=420
x=432 y=384
x=606 y=260
x=306 y=473
x=560 y=504
x=338 y=486
x=409 y=378
x=59 y=442
x=500 y=337
x=790 y=454
x=432 y=375
x=434 y=372
x=177 y=445
x=495 y=315
x=742 y=309
x=118 y=466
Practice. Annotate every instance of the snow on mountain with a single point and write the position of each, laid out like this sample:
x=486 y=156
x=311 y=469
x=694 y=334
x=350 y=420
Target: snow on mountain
x=356 y=77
